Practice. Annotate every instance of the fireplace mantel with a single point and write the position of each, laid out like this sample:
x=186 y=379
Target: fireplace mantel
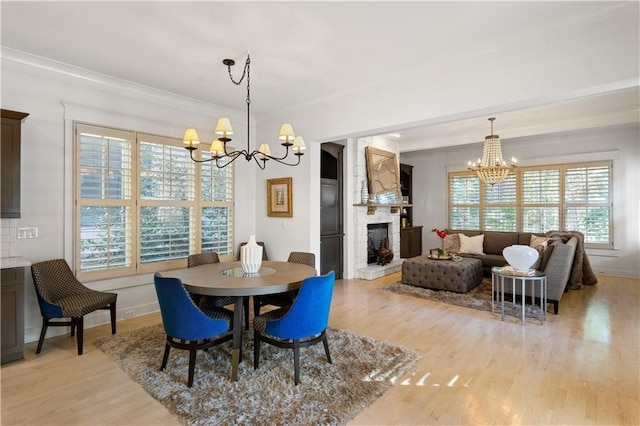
x=372 y=207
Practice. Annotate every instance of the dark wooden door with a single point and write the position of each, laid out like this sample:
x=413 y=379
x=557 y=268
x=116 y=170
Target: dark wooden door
x=331 y=209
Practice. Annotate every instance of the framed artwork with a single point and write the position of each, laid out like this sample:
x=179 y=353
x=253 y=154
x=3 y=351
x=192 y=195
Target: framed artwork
x=279 y=197
x=383 y=176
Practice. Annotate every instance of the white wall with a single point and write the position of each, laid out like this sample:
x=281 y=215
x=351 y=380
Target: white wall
x=619 y=143
x=497 y=80
x=51 y=93
x=283 y=234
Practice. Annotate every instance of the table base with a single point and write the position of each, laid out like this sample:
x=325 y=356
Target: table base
x=497 y=291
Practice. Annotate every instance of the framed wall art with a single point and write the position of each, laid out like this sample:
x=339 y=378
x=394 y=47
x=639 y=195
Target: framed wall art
x=384 y=176
x=279 y=197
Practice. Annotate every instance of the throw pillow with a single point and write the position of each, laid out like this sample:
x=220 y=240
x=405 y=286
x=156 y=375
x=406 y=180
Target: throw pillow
x=546 y=255
x=538 y=241
x=451 y=243
x=471 y=245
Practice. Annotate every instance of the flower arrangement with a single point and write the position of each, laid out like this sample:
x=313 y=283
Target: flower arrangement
x=442 y=234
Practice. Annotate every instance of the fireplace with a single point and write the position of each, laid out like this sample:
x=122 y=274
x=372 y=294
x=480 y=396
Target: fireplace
x=361 y=262
x=376 y=232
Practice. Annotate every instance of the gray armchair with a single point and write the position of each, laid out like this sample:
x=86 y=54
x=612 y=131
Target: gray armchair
x=556 y=263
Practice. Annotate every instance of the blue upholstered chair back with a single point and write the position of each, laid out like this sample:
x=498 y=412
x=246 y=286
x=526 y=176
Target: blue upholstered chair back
x=181 y=318
x=309 y=314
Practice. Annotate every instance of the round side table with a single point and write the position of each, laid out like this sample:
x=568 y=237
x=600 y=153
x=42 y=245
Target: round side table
x=498 y=277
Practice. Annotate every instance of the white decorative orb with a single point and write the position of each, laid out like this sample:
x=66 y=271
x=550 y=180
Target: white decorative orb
x=520 y=257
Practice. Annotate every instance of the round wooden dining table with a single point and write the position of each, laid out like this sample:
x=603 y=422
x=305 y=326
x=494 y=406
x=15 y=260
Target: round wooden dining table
x=228 y=279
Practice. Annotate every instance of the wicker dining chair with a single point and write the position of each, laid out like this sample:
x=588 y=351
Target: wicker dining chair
x=214 y=301
x=284 y=299
x=61 y=295
x=260 y=243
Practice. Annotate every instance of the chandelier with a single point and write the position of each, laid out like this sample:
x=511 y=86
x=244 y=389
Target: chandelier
x=223 y=128
x=492 y=168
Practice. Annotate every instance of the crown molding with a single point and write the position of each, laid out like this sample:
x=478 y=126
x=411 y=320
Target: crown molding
x=39 y=66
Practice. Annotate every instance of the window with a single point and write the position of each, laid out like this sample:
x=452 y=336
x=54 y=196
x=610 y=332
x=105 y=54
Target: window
x=143 y=205
x=575 y=197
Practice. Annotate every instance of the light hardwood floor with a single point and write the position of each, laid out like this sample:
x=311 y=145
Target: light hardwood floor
x=581 y=367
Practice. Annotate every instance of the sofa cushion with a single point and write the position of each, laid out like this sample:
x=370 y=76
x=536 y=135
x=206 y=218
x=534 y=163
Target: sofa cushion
x=471 y=245
x=488 y=260
x=451 y=243
x=495 y=242
x=546 y=254
x=536 y=241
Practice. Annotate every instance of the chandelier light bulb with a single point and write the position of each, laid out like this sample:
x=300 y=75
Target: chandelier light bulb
x=286 y=132
x=264 y=149
x=298 y=145
x=217 y=150
x=191 y=137
x=223 y=127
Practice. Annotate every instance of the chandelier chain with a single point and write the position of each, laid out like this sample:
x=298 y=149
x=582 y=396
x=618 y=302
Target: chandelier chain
x=244 y=71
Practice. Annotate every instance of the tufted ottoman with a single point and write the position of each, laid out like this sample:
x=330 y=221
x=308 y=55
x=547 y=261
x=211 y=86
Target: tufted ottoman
x=459 y=276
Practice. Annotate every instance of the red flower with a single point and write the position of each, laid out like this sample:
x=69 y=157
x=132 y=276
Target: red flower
x=440 y=233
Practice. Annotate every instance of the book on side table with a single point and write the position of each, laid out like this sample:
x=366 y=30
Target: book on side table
x=508 y=270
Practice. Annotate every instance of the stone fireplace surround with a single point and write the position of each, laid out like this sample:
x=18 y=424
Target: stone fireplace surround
x=381 y=215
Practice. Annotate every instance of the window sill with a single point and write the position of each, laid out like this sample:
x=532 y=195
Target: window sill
x=602 y=252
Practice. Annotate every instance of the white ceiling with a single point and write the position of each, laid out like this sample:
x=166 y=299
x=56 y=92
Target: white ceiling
x=306 y=52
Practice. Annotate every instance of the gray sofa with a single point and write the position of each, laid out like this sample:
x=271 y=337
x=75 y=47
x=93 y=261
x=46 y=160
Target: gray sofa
x=556 y=260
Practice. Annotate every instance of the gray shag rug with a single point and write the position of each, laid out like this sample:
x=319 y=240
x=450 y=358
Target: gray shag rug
x=477 y=298
x=362 y=369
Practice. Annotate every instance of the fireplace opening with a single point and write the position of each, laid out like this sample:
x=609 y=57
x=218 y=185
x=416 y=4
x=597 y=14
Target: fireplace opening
x=376 y=232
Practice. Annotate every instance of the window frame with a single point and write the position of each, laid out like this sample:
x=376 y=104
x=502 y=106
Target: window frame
x=136 y=203
x=520 y=206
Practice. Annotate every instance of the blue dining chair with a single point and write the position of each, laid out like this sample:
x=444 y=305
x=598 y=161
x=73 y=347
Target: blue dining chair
x=187 y=326
x=301 y=325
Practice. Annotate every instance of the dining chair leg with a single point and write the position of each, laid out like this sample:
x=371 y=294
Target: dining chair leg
x=296 y=361
x=245 y=304
x=256 y=349
x=43 y=332
x=80 y=326
x=192 y=365
x=165 y=357
x=112 y=309
x=325 y=342
x=256 y=308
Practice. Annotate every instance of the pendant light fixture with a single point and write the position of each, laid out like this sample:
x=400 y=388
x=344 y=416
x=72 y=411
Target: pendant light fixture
x=219 y=150
x=492 y=168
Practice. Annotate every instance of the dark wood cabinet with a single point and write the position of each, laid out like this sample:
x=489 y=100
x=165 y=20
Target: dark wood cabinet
x=10 y=163
x=410 y=241
x=410 y=235
x=12 y=327
x=406 y=188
